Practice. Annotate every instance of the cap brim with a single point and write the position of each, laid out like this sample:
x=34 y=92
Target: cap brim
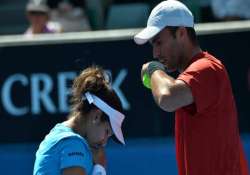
x=146 y=34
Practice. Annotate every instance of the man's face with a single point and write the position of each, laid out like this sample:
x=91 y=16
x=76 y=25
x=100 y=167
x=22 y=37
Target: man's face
x=38 y=19
x=167 y=49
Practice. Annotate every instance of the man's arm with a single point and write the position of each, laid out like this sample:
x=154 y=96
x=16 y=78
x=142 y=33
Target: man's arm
x=170 y=94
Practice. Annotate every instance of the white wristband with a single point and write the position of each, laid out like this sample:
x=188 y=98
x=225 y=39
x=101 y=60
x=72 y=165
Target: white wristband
x=98 y=170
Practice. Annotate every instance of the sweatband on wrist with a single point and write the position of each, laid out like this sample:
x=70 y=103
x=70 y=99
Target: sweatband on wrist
x=153 y=66
x=98 y=170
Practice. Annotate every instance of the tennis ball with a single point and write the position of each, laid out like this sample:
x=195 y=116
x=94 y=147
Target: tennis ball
x=146 y=80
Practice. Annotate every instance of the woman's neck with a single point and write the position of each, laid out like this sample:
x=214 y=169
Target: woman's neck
x=76 y=125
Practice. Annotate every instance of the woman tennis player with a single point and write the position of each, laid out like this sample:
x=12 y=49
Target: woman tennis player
x=76 y=146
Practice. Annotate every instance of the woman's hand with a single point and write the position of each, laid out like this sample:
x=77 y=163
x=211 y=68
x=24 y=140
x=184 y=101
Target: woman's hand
x=99 y=156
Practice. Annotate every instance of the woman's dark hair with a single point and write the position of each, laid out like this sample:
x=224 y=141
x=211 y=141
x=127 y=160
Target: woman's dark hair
x=94 y=80
x=190 y=31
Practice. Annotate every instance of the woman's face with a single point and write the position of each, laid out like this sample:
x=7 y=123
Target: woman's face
x=98 y=132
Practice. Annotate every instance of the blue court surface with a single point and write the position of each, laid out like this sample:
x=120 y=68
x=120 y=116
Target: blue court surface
x=139 y=156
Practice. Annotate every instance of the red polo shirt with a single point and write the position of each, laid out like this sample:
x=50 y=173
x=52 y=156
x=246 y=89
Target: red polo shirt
x=207 y=136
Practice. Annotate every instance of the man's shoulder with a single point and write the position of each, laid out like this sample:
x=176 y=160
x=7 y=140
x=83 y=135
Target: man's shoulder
x=206 y=63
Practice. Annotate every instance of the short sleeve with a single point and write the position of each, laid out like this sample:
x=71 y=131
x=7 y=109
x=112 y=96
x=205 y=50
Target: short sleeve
x=75 y=152
x=201 y=77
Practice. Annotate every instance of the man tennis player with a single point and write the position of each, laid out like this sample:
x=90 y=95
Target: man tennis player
x=206 y=126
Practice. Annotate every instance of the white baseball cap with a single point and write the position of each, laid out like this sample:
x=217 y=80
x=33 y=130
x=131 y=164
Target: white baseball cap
x=37 y=6
x=115 y=117
x=167 y=13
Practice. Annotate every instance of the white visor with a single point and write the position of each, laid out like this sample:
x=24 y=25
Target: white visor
x=115 y=117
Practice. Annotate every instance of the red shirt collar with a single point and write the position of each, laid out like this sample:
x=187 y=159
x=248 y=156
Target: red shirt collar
x=197 y=56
